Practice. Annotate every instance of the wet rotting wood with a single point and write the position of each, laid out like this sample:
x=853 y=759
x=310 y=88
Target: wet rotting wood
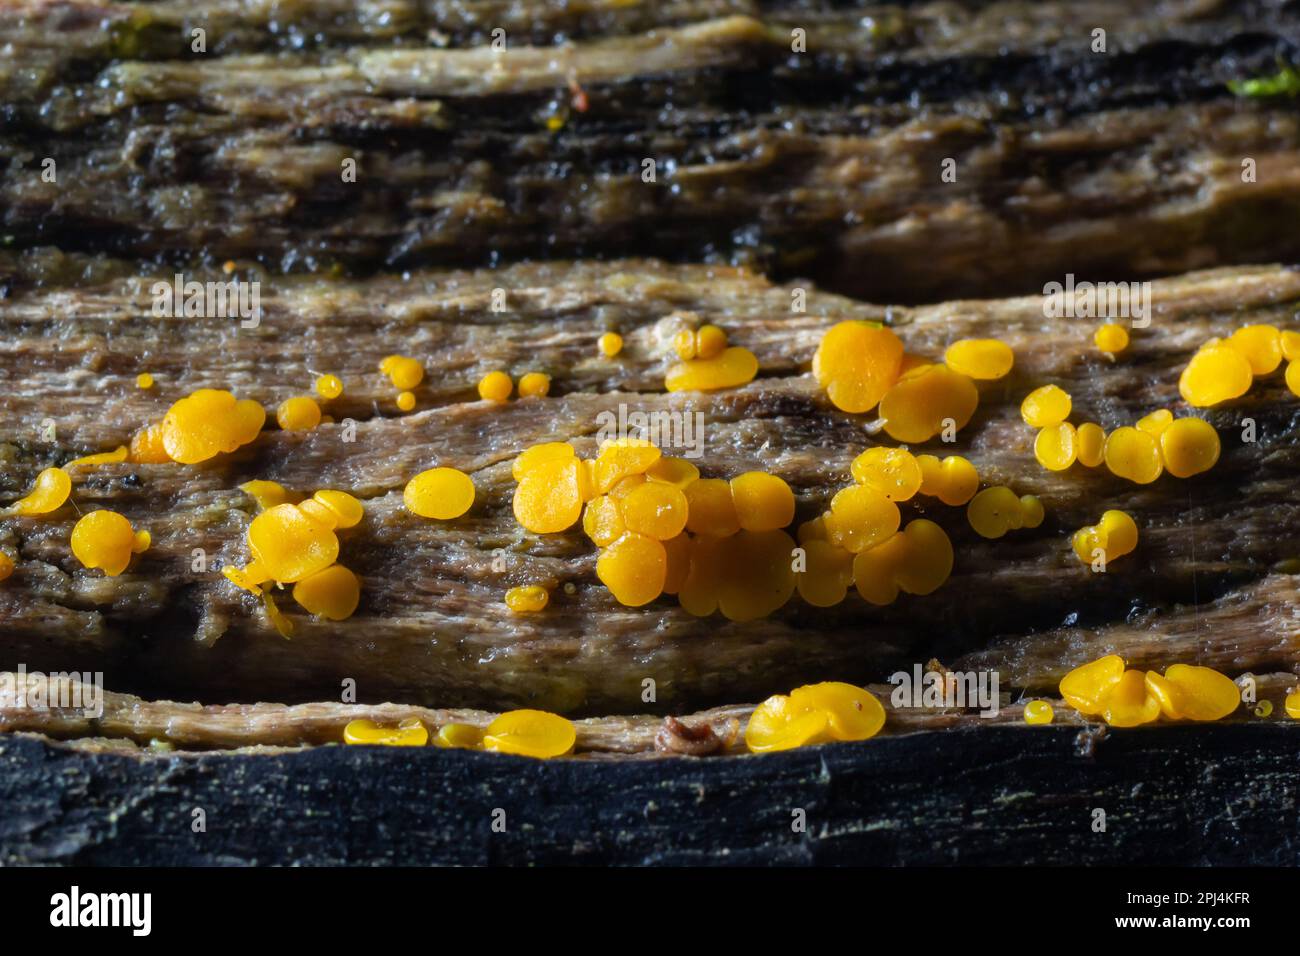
x=827 y=163
x=1212 y=579
x=1175 y=795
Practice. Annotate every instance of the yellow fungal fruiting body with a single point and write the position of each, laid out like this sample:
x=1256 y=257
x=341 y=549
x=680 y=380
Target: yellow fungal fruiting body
x=763 y=502
x=684 y=345
x=674 y=471
x=984 y=359
x=1031 y=511
x=105 y=540
x=267 y=494
x=953 y=481
x=1038 y=712
x=147 y=446
x=1134 y=454
x=1127 y=698
x=527 y=599
x=712 y=510
x=857 y=363
x=118 y=454
x=1260 y=345
x=1111 y=338
x=610 y=344
x=829 y=572
x=298 y=414
x=813 y=714
x=734 y=367
x=1057 y=446
x=1114 y=536
x=1203 y=693
x=409 y=733
x=1049 y=405
x=1085 y=688
x=1129 y=703
x=916 y=560
x=893 y=471
x=1090 y=444
x=926 y=401
x=655 y=509
x=602 y=520
x=1293 y=377
x=345 y=510
x=329 y=386
x=549 y=496
x=547 y=451
x=459 y=737
x=1156 y=422
x=6 y=566
x=995 y=511
x=860 y=518
x=621 y=459
x=288 y=544
x=51 y=490
x=710 y=342
x=439 y=493
x=405 y=401
x=144 y=380
x=1217 y=373
x=1189 y=446
x=534 y=385
x=634 y=568
x=530 y=733
x=405 y=373
x=495 y=387
x=1292 y=703
x=207 y=423
x=333 y=593
x=755 y=576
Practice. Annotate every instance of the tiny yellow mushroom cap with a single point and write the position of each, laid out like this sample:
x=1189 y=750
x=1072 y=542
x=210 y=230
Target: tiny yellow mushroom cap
x=1134 y=454
x=1128 y=703
x=1292 y=703
x=1038 y=712
x=852 y=713
x=1115 y=535
x=1057 y=446
x=1217 y=373
x=1111 y=338
x=926 y=401
x=610 y=344
x=333 y=593
x=534 y=456
x=710 y=342
x=894 y=471
x=1289 y=342
x=995 y=511
x=634 y=568
x=347 y=510
x=105 y=540
x=6 y=566
x=144 y=380
x=712 y=508
x=299 y=414
x=439 y=493
x=530 y=733
x=1090 y=440
x=405 y=373
x=1261 y=345
x=534 y=385
x=1032 y=511
x=953 y=481
x=549 y=496
x=1169 y=696
x=1048 y=405
x=459 y=737
x=495 y=387
x=1205 y=694
x=756 y=574
x=984 y=359
x=1189 y=446
x=1263 y=709
x=763 y=502
x=527 y=599
x=208 y=422
x=860 y=518
x=1086 y=687
x=1156 y=422
x=829 y=572
x=51 y=490
x=290 y=545
x=267 y=494
x=621 y=458
x=656 y=509
x=409 y=733
x=602 y=520
x=118 y=454
x=673 y=471
x=779 y=724
x=857 y=363
x=405 y=401
x=684 y=344
x=329 y=386
x=147 y=446
x=734 y=367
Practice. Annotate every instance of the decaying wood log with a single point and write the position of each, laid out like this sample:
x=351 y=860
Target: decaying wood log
x=827 y=163
x=1212 y=580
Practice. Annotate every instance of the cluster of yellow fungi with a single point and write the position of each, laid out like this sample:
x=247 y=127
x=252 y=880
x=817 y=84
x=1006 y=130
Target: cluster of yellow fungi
x=1128 y=698
x=497 y=386
x=1224 y=369
x=707 y=363
x=814 y=714
x=405 y=373
x=294 y=542
x=526 y=733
